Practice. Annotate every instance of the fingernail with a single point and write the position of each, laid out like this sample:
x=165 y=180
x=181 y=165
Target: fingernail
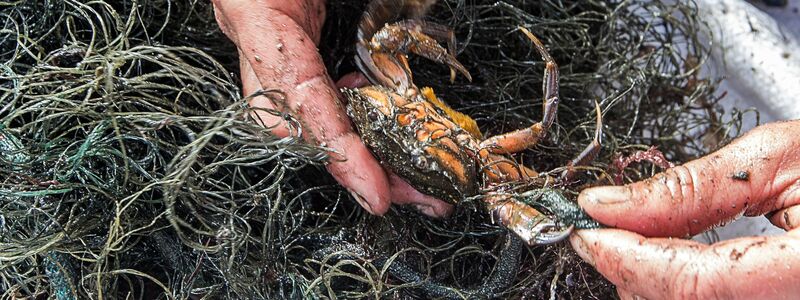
x=446 y=211
x=581 y=247
x=362 y=201
x=426 y=210
x=605 y=195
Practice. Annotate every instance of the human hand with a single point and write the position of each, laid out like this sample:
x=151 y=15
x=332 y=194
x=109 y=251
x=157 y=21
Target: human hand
x=277 y=42
x=689 y=199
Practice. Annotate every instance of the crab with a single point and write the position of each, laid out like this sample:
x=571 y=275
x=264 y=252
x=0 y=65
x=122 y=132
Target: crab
x=438 y=150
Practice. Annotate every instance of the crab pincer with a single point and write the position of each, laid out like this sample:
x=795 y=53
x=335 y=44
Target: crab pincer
x=382 y=46
x=438 y=150
x=530 y=225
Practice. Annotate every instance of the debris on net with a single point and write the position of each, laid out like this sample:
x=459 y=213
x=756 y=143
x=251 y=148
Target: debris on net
x=130 y=165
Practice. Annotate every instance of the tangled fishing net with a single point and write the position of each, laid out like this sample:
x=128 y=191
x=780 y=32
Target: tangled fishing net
x=130 y=168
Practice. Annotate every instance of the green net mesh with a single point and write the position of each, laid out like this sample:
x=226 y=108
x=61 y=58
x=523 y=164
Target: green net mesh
x=130 y=166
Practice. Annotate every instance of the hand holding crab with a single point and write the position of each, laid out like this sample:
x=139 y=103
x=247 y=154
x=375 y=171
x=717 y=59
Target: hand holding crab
x=277 y=48
x=267 y=31
x=757 y=174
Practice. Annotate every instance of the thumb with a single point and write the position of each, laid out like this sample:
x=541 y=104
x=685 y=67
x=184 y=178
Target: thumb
x=755 y=174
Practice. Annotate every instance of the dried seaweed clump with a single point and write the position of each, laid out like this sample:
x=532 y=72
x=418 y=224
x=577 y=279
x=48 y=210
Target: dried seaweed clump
x=130 y=166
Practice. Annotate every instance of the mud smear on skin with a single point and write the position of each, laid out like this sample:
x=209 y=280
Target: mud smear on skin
x=133 y=156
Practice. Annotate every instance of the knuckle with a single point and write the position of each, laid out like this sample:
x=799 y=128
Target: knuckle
x=680 y=181
x=679 y=185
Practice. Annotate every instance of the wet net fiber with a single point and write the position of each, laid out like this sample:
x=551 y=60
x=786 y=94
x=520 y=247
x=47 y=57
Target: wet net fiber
x=130 y=168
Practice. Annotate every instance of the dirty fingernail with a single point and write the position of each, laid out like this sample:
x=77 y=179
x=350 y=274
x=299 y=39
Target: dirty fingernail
x=581 y=247
x=444 y=211
x=427 y=210
x=605 y=195
x=362 y=201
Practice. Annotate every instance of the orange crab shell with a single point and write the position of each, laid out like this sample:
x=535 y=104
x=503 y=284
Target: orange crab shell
x=413 y=138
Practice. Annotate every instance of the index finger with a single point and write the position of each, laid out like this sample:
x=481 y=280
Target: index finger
x=661 y=268
x=757 y=173
x=283 y=56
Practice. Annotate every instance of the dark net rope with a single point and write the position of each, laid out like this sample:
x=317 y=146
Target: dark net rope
x=131 y=166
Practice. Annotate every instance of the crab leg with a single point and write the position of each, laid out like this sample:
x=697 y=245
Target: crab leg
x=388 y=66
x=590 y=152
x=387 y=69
x=522 y=139
x=436 y=31
x=413 y=36
x=440 y=33
x=526 y=222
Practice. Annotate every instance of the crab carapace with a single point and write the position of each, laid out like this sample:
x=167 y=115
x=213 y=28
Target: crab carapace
x=438 y=150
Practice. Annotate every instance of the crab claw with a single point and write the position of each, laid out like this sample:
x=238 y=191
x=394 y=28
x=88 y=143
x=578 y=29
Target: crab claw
x=528 y=223
x=551 y=233
x=381 y=54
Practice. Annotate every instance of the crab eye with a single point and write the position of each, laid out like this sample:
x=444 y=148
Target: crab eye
x=420 y=162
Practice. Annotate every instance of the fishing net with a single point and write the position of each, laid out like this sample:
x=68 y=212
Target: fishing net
x=130 y=166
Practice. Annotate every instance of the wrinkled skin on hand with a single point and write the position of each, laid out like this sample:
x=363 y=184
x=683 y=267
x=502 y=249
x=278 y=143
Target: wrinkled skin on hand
x=277 y=42
x=757 y=174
